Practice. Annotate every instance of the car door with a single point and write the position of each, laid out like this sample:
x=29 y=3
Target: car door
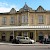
x=27 y=40
x=22 y=40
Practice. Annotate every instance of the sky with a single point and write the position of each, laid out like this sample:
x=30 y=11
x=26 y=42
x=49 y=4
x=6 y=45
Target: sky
x=7 y=5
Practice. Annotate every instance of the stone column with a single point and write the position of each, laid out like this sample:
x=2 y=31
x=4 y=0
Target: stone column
x=35 y=35
x=13 y=34
x=22 y=33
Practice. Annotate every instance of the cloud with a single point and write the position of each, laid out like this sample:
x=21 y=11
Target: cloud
x=5 y=7
x=3 y=4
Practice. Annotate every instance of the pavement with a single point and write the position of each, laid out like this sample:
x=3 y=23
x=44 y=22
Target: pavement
x=35 y=44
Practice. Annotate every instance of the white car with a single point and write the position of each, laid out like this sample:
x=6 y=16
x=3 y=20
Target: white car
x=25 y=40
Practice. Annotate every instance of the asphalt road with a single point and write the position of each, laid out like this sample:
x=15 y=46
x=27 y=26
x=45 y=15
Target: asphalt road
x=8 y=47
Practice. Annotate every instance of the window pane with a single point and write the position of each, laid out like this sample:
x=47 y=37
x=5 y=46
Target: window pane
x=25 y=34
x=4 y=20
x=32 y=20
x=12 y=20
x=40 y=19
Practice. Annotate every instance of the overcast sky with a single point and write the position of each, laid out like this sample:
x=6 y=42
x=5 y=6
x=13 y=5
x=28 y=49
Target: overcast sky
x=6 y=5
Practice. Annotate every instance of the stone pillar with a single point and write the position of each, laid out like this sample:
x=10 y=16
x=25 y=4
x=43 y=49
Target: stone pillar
x=0 y=36
x=27 y=34
x=22 y=33
x=7 y=36
x=35 y=35
x=13 y=34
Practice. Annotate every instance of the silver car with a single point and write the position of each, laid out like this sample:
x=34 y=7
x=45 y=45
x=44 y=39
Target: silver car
x=24 y=40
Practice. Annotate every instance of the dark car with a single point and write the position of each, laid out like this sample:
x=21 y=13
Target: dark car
x=46 y=41
x=15 y=41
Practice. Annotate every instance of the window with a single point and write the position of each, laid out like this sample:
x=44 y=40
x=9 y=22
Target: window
x=24 y=19
x=32 y=19
x=12 y=20
x=3 y=34
x=40 y=19
x=19 y=19
x=49 y=20
x=25 y=34
x=4 y=20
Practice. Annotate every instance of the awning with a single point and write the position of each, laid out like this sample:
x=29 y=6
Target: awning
x=9 y=28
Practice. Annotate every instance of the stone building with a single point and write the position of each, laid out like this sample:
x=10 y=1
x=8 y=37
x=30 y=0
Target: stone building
x=25 y=22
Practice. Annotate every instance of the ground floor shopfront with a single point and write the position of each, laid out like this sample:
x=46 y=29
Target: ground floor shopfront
x=36 y=33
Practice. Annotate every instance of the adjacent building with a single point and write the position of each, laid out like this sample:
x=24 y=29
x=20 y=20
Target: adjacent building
x=25 y=22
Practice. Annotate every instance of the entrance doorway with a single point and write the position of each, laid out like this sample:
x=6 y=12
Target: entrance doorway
x=41 y=37
x=19 y=33
x=48 y=36
x=31 y=35
x=3 y=37
x=11 y=36
x=25 y=34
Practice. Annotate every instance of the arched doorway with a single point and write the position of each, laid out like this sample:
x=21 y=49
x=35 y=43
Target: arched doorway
x=11 y=36
x=41 y=37
x=3 y=36
x=31 y=35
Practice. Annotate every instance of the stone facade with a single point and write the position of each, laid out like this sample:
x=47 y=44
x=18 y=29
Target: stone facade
x=26 y=16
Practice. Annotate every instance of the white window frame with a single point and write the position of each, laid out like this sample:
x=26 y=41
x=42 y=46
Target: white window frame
x=19 y=19
x=24 y=19
x=12 y=20
x=40 y=19
x=32 y=19
x=49 y=20
x=25 y=34
x=4 y=19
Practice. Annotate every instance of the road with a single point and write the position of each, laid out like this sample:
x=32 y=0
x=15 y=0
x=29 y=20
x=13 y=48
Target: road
x=9 y=47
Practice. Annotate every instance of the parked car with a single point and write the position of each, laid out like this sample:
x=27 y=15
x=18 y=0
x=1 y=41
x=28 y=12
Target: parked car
x=15 y=41
x=27 y=40
x=46 y=41
x=23 y=40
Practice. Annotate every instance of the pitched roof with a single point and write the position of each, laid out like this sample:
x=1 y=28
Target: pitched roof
x=40 y=9
x=25 y=8
x=12 y=11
